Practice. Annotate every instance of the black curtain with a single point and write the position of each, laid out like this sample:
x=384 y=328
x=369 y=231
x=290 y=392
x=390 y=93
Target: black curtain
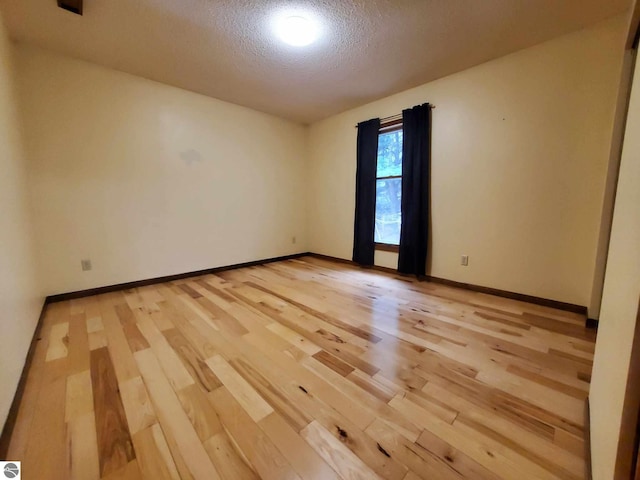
x=416 y=159
x=364 y=226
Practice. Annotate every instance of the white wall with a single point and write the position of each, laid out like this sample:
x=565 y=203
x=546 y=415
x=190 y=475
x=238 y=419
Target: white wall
x=520 y=147
x=148 y=180
x=20 y=299
x=619 y=302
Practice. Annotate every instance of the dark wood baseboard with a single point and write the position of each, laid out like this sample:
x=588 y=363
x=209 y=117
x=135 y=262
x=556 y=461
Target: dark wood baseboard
x=587 y=440
x=333 y=259
x=545 y=302
x=592 y=323
x=169 y=278
x=452 y=283
x=568 y=307
x=10 y=423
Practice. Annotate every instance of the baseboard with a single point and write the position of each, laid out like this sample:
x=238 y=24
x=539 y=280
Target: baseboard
x=545 y=302
x=169 y=278
x=7 y=430
x=587 y=440
x=568 y=307
x=592 y=323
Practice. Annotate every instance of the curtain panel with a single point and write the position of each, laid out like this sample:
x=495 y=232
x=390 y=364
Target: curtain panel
x=364 y=225
x=416 y=160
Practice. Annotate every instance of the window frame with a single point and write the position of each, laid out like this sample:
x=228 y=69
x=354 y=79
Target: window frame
x=389 y=126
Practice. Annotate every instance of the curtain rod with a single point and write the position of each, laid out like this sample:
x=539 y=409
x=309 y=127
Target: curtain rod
x=397 y=116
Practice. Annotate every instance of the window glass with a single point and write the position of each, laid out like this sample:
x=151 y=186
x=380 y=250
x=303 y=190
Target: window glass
x=388 y=218
x=389 y=188
x=389 y=154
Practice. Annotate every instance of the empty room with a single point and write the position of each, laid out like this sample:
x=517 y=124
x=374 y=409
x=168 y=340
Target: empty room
x=338 y=239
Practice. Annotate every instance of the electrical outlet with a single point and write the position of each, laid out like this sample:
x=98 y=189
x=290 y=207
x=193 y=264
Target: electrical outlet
x=293 y=239
x=464 y=260
x=86 y=265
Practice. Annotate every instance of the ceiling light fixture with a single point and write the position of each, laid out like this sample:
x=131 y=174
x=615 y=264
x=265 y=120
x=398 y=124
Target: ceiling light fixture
x=297 y=30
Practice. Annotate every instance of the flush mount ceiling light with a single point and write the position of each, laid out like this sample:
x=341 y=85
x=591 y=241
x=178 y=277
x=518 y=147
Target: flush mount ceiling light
x=296 y=29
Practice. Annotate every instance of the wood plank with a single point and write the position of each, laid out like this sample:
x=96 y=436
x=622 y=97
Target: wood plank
x=173 y=419
x=323 y=316
x=94 y=324
x=81 y=428
x=221 y=318
x=171 y=364
x=354 y=438
x=490 y=455
x=225 y=456
x=97 y=340
x=58 y=341
x=130 y=471
x=549 y=462
x=114 y=441
x=304 y=460
x=311 y=384
x=192 y=360
x=200 y=411
x=137 y=405
x=133 y=335
x=333 y=363
x=340 y=458
x=485 y=422
x=265 y=457
x=439 y=460
x=83 y=447
x=162 y=321
x=189 y=291
x=453 y=457
x=23 y=426
x=209 y=284
x=154 y=457
x=79 y=396
x=548 y=382
x=123 y=362
x=384 y=390
x=78 y=340
x=365 y=401
x=46 y=449
x=569 y=442
x=294 y=339
x=246 y=396
x=274 y=394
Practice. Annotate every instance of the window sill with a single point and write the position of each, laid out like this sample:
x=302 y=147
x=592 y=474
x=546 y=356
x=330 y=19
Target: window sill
x=387 y=247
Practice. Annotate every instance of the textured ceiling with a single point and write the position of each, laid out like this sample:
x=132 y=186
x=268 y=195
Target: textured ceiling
x=369 y=48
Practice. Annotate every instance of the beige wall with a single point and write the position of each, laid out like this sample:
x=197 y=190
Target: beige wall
x=20 y=301
x=619 y=302
x=611 y=182
x=520 y=152
x=149 y=180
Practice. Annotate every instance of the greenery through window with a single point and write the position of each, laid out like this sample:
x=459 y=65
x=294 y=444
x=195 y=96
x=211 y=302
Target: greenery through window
x=389 y=187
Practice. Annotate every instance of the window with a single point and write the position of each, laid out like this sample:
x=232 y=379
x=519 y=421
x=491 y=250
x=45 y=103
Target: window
x=389 y=187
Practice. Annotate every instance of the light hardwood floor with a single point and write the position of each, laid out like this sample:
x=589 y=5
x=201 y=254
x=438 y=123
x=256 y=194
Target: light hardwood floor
x=304 y=369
